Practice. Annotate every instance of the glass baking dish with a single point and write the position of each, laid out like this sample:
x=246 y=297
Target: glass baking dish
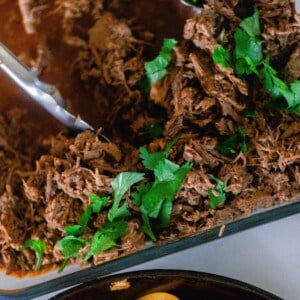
x=32 y=287
x=73 y=275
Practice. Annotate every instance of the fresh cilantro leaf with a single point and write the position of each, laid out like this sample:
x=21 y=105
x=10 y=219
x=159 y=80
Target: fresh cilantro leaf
x=165 y=213
x=295 y=105
x=222 y=56
x=84 y=219
x=251 y=24
x=154 y=130
x=295 y=88
x=291 y=93
x=153 y=200
x=164 y=187
x=120 y=212
x=75 y=230
x=144 y=85
x=230 y=145
x=252 y=67
x=120 y=185
x=115 y=230
x=146 y=226
x=156 y=198
x=242 y=135
x=248 y=58
x=218 y=194
x=39 y=248
x=70 y=246
x=150 y=160
x=249 y=47
x=156 y=69
x=106 y=237
x=156 y=76
x=99 y=244
x=98 y=203
x=123 y=182
x=166 y=170
x=270 y=76
x=141 y=190
x=279 y=89
x=249 y=113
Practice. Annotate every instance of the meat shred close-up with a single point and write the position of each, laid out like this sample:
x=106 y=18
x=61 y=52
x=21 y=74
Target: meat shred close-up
x=233 y=138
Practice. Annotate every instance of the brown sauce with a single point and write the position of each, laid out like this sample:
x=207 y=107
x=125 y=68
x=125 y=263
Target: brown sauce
x=163 y=18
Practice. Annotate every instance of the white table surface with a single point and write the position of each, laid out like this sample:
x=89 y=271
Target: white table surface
x=266 y=256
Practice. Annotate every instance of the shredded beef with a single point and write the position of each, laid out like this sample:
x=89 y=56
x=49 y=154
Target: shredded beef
x=30 y=10
x=46 y=181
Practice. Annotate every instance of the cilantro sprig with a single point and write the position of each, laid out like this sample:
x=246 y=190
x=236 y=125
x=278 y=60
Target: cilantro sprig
x=39 y=248
x=106 y=237
x=121 y=185
x=155 y=198
x=217 y=195
x=70 y=247
x=279 y=89
x=222 y=56
x=247 y=58
x=153 y=129
x=71 y=244
x=231 y=145
x=96 y=205
x=157 y=68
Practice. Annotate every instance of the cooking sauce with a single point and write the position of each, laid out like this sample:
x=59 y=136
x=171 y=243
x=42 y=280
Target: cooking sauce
x=163 y=18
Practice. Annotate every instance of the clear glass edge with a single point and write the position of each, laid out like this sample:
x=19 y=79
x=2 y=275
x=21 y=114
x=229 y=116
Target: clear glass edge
x=90 y=273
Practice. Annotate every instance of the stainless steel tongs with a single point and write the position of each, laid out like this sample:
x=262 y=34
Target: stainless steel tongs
x=47 y=95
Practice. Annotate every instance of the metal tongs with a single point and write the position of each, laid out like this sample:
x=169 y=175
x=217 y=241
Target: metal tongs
x=47 y=95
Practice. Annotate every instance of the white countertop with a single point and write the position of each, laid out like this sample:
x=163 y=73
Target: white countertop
x=266 y=256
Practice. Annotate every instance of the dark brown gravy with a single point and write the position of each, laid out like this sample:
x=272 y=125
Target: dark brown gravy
x=164 y=18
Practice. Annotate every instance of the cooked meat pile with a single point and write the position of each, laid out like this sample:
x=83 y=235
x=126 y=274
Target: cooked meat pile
x=45 y=182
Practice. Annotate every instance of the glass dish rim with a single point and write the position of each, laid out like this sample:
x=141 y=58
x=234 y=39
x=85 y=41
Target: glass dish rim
x=84 y=275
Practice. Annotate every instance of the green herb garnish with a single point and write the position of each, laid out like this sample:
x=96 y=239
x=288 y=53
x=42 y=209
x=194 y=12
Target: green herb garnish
x=39 y=248
x=153 y=198
x=247 y=58
x=96 y=205
x=156 y=198
x=278 y=89
x=154 y=130
x=70 y=246
x=157 y=68
x=106 y=237
x=121 y=185
x=222 y=56
x=217 y=195
x=151 y=160
x=231 y=145
x=249 y=113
